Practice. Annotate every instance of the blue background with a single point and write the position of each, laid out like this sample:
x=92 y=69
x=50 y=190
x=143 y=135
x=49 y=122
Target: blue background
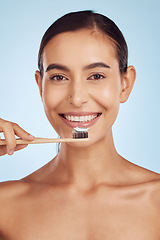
x=136 y=130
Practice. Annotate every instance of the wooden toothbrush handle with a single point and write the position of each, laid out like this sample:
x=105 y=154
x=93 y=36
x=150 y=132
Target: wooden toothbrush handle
x=46 y=140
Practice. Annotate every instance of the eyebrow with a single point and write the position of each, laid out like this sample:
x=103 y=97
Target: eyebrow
x=64 y=68
x=96 y=64
x=57 y=66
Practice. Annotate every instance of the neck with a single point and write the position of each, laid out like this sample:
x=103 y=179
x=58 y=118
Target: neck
x=88 y=166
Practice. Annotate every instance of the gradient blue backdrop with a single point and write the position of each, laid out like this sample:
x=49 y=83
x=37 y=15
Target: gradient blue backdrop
x=137 y=129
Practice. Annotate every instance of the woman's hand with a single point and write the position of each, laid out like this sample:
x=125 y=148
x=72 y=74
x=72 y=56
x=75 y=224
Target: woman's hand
x=9 y=130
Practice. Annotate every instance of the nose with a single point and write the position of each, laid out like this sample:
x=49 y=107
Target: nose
x=78 y=94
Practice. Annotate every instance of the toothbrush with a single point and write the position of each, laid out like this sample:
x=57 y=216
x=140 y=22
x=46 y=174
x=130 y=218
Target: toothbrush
x=79 y=135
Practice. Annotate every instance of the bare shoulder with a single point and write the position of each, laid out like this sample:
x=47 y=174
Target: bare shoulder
x=155 y=193
x=150 y=182
x=138 y=174
x=12 y=188
x=154 y=198
x=10 y=192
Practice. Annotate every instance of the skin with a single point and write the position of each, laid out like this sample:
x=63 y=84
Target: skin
x=88 y=191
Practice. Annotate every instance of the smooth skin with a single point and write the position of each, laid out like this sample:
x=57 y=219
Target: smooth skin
x=88 y=191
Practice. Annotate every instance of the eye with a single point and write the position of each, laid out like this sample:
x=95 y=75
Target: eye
x=58 y=77
x=96 y=76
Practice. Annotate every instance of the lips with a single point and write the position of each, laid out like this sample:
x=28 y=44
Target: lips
x=84 y=119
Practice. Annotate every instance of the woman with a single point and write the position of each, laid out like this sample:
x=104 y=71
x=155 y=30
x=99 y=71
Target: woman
x=88 y=191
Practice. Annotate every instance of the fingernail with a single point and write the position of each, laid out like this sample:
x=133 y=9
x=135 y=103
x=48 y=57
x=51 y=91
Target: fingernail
x=11 y=152
x=30 y=136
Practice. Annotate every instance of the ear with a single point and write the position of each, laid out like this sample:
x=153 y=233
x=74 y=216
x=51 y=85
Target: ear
x=39 y=81
x=128 y=80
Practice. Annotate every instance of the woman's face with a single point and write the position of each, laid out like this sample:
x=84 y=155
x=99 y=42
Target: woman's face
x=81 y=85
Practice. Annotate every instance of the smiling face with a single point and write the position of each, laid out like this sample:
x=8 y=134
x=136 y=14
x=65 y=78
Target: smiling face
x=82 y=85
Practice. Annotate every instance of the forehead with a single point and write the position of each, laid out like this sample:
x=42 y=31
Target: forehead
x=81 y=46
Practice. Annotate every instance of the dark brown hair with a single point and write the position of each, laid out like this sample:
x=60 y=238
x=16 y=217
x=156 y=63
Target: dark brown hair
x=87 y=19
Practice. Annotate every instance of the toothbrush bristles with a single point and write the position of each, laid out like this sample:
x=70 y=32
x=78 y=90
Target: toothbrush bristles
x=80 y=134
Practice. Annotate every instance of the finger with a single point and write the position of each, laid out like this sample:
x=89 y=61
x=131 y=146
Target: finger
x=20 y=132
x=3 y=150
x=9 y=137
x=20 y=146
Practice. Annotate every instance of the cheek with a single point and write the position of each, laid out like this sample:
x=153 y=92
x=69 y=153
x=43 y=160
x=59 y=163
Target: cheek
x=108 y=96
x=52 y=96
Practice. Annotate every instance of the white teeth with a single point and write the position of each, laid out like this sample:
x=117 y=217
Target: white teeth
x=76 y=119
x=80 y=118
x=86 y=118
